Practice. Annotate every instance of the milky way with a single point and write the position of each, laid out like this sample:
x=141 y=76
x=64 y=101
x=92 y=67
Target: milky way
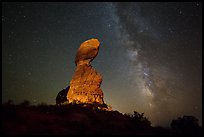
x=165 y=41
x=150 y=54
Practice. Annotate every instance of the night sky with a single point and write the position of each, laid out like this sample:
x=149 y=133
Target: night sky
x=150 y=54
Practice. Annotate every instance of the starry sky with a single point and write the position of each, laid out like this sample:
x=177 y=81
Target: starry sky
x=150 y=54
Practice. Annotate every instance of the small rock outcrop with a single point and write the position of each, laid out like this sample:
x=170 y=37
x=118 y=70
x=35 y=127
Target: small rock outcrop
x=62 y=96
x=85 y=83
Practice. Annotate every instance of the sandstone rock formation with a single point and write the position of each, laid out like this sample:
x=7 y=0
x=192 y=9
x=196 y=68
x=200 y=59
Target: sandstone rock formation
x=85 y=84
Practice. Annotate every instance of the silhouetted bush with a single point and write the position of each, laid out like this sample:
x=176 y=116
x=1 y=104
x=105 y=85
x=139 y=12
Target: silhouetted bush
x=25 y=103
x=9 y=103
x=42 y=104
x=140 y=120
x=187 y=122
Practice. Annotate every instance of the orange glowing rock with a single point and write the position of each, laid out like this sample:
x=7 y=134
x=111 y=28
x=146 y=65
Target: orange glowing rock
x=85 y=84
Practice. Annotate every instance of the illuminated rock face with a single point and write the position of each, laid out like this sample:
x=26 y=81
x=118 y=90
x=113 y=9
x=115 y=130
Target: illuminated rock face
x=85 y=84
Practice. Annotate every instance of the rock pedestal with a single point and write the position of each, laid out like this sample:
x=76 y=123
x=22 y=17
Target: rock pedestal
x=85 y=84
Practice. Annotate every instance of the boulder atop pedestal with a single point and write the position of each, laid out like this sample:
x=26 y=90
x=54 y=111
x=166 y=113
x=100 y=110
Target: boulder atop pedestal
x=87 y=52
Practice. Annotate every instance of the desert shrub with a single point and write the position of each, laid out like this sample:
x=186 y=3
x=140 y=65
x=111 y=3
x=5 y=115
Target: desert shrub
x=140 y=120
x=25 y=103
x=9 y=103
x=185 y=123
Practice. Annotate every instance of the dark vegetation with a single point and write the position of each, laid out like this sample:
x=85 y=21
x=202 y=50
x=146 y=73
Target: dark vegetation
x=76 y=119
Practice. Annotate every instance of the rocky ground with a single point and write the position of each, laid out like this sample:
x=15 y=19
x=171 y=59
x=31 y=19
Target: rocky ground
x=77 y=120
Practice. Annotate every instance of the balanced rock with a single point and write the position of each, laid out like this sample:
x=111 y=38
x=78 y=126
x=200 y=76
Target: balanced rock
x=85 y=84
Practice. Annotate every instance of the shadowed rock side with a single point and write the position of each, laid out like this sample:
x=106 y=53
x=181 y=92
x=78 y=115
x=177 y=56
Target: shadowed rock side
x=85 y=84
x=62 y=96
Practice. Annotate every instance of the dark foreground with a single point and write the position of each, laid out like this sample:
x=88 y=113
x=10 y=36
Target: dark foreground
x=78 y=120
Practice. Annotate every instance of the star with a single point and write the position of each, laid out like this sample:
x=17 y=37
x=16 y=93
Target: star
x=29 y=73
x=109 y=25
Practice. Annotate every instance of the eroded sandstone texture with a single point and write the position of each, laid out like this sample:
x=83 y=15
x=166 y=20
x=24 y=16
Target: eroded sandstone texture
x=85 y=84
